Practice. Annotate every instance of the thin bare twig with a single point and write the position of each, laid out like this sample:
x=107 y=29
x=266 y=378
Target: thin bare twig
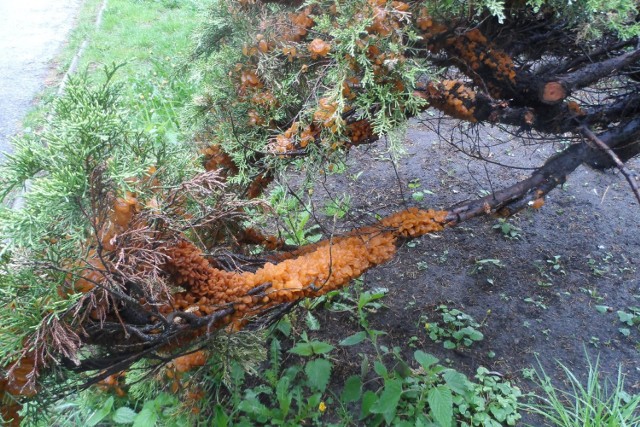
x=619 y=164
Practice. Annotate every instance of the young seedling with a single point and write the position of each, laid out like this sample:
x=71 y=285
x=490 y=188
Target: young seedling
x=455 y=329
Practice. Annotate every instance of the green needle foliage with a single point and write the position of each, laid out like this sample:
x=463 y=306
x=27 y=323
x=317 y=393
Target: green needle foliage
x=87 y=153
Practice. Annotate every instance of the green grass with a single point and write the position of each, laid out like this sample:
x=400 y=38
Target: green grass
x=601 y=402
x=152 y=38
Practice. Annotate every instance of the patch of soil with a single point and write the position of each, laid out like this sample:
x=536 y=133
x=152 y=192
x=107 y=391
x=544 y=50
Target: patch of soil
x=579 y=251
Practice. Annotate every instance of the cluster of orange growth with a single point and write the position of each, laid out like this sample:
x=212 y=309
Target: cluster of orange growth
x=191 y=270
x=253 y=236
x=477 y=53
x=288 y=36
x=290 y=52
x=453 y=98
x=299 y=25
x=113 y=383
x=186 y=363
x=359 y=131
x=385 y=20
x=216 y=159
x=347 y=87
x=118 y=221
x=430 y=28
x=285 y=142
x=175 y=371
x=258 y=184
x=319 y=48
x=325 y=266
x=90 y=276
x=261 y=45
x=325 y=114
x=19 y=381
x=249 y=79
x=119 y=218
x=575 y=108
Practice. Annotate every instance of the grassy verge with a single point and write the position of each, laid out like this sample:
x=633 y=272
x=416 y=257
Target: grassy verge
x=151 y=38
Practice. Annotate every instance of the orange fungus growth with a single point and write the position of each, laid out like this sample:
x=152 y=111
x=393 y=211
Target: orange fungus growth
x=313 y=271
x=319 y=48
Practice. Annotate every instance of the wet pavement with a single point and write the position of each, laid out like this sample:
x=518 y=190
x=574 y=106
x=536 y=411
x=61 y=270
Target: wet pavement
x=32 y=33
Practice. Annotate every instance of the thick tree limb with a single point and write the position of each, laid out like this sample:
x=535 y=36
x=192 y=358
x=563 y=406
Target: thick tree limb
x=555 y=89
x=555 y=171
x=624 y=140
x=517 y=196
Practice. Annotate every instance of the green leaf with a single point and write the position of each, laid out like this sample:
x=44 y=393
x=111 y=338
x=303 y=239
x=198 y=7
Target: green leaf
x=318 y=373
x=402 y=369
x=221 y=419
x=418 y=196
x=147 y=417
x=625 y=331
x=380 y=369
x=284 y=326
x=626 y=317
x=302 y=349
x=354 y=339
x=252 y=407
x=456 y=381
x=101 y=413
x=352 y=389
x=283 y=395
x=312 y=322
x=449 y=345
x=441 y=404
x=424 y=359
x=124 y=415
x=474 y=334
x=388 y=401
x=498 y=412
x=602 y=308
x=368 y=400
x=321 y=347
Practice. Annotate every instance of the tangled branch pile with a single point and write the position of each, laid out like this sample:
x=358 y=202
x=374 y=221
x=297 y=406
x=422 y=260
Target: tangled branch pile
x=101 y=271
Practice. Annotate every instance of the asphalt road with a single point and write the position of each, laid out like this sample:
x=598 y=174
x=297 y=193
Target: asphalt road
x=31 y=34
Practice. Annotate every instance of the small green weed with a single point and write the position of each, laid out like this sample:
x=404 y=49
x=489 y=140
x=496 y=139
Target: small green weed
x=435 y=395
x=556 y=265
x=508 y=230
x=486 y=266
x=538 y=302
x=295 y=218
x=93 y=409
x=629 y=318
x=338 y=208
x=455 y=329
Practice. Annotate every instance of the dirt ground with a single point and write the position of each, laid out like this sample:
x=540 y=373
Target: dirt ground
x=579 y=251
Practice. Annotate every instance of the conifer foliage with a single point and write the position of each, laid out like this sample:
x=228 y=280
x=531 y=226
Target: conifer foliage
x=108 y=261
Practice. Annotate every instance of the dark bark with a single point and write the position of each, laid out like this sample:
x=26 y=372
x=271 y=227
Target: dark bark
x=554 y=89
x=624 y=141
